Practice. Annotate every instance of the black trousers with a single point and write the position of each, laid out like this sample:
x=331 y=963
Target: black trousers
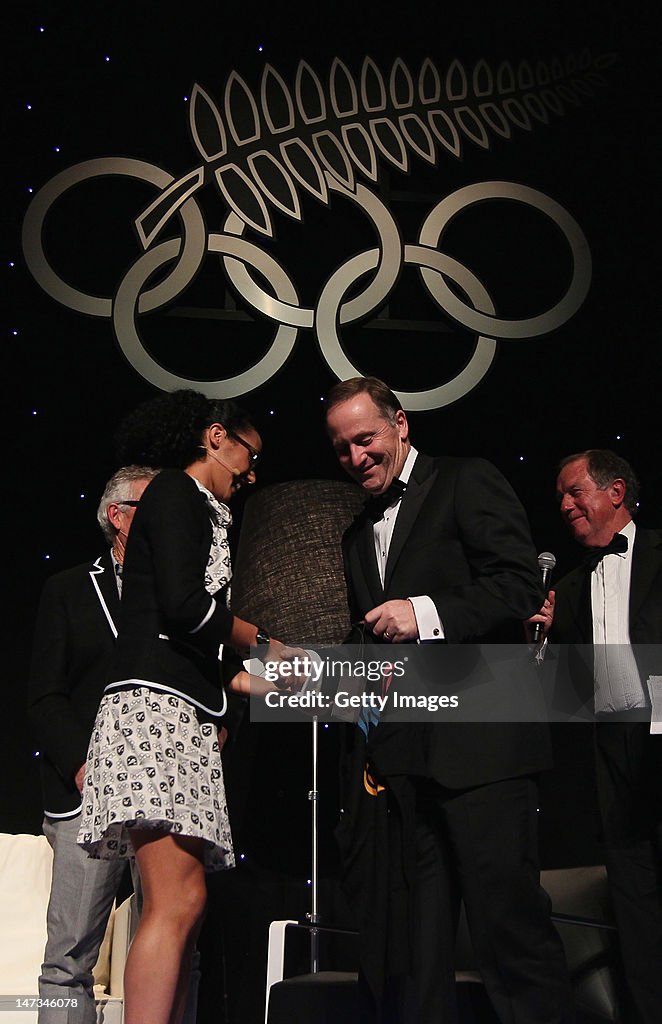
x=629 y=776
x=481 y=845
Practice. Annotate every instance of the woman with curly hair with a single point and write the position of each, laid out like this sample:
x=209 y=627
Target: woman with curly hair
x=154 y=782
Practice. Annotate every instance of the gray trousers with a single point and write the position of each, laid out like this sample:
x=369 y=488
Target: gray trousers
x=82 y=894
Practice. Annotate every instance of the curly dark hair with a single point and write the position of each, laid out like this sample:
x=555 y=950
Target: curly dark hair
x=166 y=431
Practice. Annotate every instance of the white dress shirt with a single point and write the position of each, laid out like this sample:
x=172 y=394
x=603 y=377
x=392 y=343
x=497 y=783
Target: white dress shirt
x=117 y=571
x=618 y=686
x=427 y=618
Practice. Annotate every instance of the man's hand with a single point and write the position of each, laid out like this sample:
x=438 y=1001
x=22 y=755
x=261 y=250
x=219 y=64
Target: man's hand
x=394 y=621
x=79 y=778
x=544 y=616
x=279 y=652
x=222 y=737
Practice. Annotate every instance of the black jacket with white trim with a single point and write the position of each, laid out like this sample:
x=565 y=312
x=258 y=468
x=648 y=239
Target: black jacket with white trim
x=170 y=627
x=73 y=645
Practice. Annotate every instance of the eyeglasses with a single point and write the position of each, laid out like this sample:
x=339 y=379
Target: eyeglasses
x=132 y=502
x=253 y=452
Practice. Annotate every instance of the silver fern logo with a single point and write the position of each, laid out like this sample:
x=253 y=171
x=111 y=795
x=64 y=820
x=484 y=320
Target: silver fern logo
x=263 y=150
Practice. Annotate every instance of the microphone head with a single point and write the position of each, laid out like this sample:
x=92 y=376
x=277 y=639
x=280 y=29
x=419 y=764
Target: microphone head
x=546 y=560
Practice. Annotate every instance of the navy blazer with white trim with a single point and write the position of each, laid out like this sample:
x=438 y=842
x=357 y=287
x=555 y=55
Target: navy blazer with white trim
x=73 y=645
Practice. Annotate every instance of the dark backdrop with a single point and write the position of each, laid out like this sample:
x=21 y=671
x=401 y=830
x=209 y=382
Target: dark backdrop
x=594 y=382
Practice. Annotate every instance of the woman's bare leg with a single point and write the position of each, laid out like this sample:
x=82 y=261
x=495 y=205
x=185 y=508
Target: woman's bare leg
x=184 y=982
x=174 y=895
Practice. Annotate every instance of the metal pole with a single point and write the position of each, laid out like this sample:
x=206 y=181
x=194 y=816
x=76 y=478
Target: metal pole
x=313 y=916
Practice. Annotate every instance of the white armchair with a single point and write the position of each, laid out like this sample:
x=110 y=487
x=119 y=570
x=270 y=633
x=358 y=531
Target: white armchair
x=25 y=881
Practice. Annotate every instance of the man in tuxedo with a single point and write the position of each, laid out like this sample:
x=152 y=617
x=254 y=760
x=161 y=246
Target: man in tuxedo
x=74 y=638
x=442 y=553
x=613 y=601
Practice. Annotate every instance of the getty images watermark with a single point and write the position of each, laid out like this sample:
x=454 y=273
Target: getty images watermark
x=369 y=686
x=447 y=683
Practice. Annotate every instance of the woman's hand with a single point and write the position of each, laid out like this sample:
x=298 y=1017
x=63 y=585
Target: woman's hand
x=257 y=686
x=278 y=651
x=242 y=638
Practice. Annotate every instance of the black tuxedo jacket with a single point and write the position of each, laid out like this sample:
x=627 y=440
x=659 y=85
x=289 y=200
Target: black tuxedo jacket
x=628 y=758
x=572 y=616
x=573 y=622
x=462 y=538
x=73 y=644
x=170 y=628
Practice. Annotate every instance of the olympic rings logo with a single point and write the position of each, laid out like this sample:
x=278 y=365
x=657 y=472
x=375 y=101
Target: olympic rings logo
x=242 y=259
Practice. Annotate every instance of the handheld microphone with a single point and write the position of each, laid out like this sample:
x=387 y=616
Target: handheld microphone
x=546 y=563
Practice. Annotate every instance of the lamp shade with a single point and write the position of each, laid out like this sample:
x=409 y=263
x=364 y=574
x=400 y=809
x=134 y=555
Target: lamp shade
x=288 y=573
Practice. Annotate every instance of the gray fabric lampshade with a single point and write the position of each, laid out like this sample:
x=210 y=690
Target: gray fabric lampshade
x=288 y=573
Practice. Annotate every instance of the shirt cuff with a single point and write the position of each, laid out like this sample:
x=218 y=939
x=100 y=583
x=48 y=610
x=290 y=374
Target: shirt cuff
x=429 y=624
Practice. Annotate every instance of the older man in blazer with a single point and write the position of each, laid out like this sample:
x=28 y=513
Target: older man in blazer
x=442 y=553
x=611 y=606
x=73 y=642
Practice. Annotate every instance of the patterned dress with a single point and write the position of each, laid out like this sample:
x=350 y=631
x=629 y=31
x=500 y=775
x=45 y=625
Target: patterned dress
x=151 y=763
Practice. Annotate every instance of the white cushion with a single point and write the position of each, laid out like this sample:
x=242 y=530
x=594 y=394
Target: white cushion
x=26 y=864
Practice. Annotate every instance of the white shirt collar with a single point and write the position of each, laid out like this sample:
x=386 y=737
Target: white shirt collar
x=406 y=470
x=628 y=531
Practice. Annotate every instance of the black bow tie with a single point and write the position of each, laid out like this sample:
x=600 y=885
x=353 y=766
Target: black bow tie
x=618 y=545
x=376 y=507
